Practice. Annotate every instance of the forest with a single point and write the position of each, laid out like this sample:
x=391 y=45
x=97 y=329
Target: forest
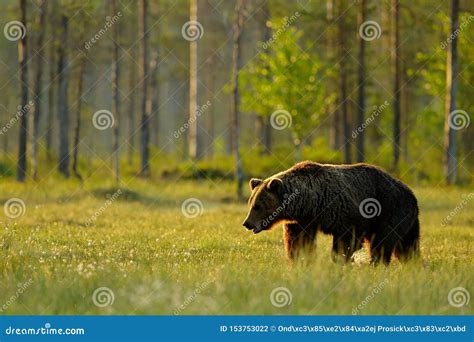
x=125 y=85
x=130 y=128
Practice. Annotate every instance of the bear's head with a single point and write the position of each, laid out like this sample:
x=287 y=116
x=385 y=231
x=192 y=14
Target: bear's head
x=265 y=204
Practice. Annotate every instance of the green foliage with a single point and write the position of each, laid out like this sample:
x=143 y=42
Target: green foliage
x=430 y=121
x=434 y=61
x=319 y=151
x=7 y=168
x=286 y=77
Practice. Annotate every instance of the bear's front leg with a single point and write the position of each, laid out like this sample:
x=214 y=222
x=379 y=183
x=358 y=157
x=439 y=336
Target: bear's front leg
x=298 y=238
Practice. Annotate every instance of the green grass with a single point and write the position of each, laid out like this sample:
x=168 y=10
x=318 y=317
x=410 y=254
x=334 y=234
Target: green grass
x=156 y=260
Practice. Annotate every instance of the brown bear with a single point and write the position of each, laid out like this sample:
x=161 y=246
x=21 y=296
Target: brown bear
x=353 y=203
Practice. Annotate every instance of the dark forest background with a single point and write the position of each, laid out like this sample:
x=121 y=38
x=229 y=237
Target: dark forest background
x=234 y=89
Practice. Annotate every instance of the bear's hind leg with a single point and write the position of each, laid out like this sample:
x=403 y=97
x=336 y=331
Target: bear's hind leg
x=381 y=249
x=346 y=245
x=387 y=239
x=409 y=246
x=298 y=238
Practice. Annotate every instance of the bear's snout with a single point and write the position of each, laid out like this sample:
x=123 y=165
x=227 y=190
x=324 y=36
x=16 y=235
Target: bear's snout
x=255 y=228
x=247 y=225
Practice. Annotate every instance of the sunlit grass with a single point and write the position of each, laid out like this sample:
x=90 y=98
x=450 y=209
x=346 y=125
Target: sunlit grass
x=154 y=258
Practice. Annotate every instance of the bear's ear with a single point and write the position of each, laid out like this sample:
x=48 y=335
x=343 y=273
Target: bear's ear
x=254 y=182
x=275 y=185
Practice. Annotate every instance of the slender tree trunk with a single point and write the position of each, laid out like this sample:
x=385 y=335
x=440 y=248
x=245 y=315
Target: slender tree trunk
x=4 y=137
x=406 y=113
x=259 y=130
x=343 y=85
x=211 y=76
x=153 y=102
x=38 y=91
x=235 y=104
x=334 y=131
x=193 y=95
x=63 y=106
x=267 y=135
x=23 y=58
x=264 y=135
x=77 y=127
x=52 y=84
x=265 y=131
x=116 y=96
x=131 y=109
x=396 y=84
x=5 y=142
x=143 y=75
x=298 y=149
x=451 y=89
x=361 y=85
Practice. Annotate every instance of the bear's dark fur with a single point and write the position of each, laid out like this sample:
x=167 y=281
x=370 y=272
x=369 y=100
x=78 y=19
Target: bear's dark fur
x=353 y=203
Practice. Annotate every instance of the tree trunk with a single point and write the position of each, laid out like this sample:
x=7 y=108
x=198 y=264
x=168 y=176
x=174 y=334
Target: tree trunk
x=23 y=58
x=396 y=84
x=267 y=135
x=131 y=109
x=143 y=75
x=235 y=104
x=63 y=106
x=210 y=122
x=343 y=85
x=153 y=101
x=451 y=89
x=116 y=96
x=193 y=140
x=77 y=128
x=52 y=83
x=38 y=91
x=5 y=144
x=405 y=99
x=265 y=132
x=335 y=125
x=361 y=85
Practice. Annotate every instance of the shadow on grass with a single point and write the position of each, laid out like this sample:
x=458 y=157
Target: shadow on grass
x=127 y=195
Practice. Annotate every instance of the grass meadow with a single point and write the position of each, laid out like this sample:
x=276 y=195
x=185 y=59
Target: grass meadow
x=71 y=242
